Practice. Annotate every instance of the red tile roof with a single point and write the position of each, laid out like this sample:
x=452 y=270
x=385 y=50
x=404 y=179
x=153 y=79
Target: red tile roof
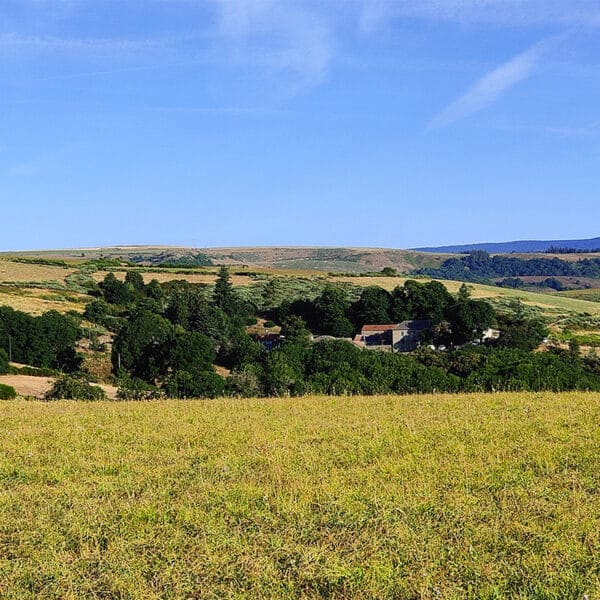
x=379 y=327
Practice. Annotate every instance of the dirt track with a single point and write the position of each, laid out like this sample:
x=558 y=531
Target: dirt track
x=36 y=387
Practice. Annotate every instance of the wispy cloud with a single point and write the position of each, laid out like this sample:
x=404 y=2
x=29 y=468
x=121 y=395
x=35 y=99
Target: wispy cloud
x=279 y=35
x=490 y=87
x=19 y=41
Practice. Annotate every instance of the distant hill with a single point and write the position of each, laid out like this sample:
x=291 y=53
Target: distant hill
x=344 y=260
x=518 y=246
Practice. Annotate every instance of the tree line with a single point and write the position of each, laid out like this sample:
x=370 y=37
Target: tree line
x=479 y=266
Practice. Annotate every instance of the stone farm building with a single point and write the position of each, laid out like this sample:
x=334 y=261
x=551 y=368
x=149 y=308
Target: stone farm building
x=394 y=337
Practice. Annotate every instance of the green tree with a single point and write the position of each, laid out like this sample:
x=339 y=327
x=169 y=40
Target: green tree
x=271 y=293
x=7 y=392
x=155 y=291
x=191 y=351
x=468 y=320
x=517 y=331
x=96 y=311
x=136 y=280
x=331 y=308
x=245 y=382
x=223 y=295
x=70 y=388
x=415 y=300
x=141 y=346
x=178 y=308
x=198 y=384
x=294 y=330
x=279 y=377
x=115 y=291
x=53 y=342
x=373 y=307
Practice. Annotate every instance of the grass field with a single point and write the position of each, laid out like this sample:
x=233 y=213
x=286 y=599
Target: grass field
x=36 y=301
x=467 y=496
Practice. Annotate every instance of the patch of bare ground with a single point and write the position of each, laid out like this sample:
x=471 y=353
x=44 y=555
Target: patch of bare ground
x=37 y=387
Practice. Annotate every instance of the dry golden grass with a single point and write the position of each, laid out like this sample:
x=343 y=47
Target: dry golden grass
x=466 y=496
x=38 y=301
x=14 y=272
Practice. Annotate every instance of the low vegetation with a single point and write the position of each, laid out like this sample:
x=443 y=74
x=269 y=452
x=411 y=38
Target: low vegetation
x=7 y=392
x=67 y=388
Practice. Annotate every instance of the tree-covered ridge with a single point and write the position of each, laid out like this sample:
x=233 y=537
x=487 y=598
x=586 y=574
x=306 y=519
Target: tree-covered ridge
x=479 y=266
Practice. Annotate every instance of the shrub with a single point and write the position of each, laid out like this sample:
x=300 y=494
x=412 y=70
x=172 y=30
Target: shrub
x=36 y=372
x=7 y=392
x=96 y=311
x=201 y=384
x=131 y=388
x=69 y=388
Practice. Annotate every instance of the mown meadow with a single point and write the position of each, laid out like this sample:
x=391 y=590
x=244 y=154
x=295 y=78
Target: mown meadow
x=439 y=496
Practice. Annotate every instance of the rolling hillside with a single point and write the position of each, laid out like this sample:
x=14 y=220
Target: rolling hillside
x=346 y=260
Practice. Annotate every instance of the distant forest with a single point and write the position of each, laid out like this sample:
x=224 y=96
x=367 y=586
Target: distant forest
x=479 y=266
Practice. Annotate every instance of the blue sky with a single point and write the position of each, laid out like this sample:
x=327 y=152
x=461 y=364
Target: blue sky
x=385 y=123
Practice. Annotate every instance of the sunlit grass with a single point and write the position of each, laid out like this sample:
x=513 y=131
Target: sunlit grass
x=467 y=496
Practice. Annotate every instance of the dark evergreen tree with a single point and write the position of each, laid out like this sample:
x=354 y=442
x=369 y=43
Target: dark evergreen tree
x=223 y=295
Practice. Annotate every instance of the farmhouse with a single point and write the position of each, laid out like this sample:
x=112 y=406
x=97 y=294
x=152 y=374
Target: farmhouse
x=393 y=337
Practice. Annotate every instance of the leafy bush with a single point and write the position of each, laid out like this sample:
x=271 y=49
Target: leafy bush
x=200 y=384
x=7 y=392
x=35 y=372
x=70 y=388
x=96 y=311
x=131 y=388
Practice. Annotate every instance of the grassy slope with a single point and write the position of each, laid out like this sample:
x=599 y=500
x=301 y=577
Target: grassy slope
x=310 y=258
x=487 y=496
x=37 y=288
